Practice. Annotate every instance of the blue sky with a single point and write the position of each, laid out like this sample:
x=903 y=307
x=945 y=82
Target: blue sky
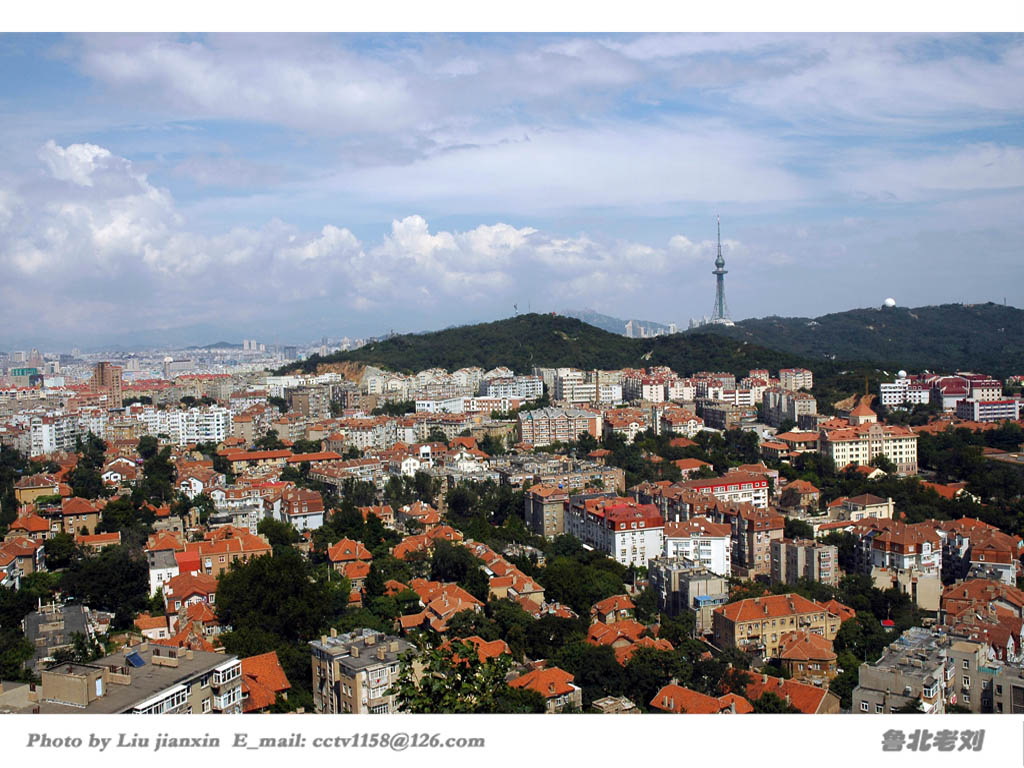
x=199 y=187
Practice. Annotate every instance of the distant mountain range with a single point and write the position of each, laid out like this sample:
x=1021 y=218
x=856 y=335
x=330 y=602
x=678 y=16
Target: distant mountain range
x=613 y=324
x=218 y=345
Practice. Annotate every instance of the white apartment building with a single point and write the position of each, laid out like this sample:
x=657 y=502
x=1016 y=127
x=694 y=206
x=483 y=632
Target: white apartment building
x=904 y=391
x=682 y=389
x=184 y=426
x=626 y=531
x=988 y=410
x=517 y=387
x=701 y=541
x=796 y=378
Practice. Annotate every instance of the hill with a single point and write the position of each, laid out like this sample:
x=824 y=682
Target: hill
x=526 y=341
x=984 y=337
x=218 y=345
x=612 y=324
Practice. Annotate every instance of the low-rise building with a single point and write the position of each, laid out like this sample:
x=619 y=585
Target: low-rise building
x=555 y=685
x=758 y=624
x=808 y=658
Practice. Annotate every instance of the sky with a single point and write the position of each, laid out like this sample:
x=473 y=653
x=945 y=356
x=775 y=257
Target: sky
x=189 y=188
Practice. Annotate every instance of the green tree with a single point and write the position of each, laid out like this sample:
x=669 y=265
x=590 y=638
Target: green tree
x=269 y=442
x=116 y=580
x=60 y=548
x=278 y=533
x=454 y=680
x=275 y=594
x=772 y=704
x=798 y=529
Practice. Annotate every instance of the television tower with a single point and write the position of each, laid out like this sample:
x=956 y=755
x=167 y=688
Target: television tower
x=721 y=312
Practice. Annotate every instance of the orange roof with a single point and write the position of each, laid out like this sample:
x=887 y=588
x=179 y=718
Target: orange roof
x=613 y=603
x=263 y=678
x=31 y=523
x=806 y=698
x=769 y=606
x=624 y=653
x=844 y=612
x=346 y=550
x=628 y=630
x=804 y=645
x=547 y=682
x=485 y=650
x=677 y=699
x=144 y=621
x=98 y=539
x=356 y=569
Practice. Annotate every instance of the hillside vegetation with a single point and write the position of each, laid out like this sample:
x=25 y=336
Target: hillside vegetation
x=526 y=341
x=983 y=337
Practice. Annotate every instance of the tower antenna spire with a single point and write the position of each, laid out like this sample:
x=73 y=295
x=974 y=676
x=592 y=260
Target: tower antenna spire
x=721 y=312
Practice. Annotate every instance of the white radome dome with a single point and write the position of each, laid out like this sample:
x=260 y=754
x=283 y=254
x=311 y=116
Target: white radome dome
x=902 y=374
x=890 y=302
x=168 y=359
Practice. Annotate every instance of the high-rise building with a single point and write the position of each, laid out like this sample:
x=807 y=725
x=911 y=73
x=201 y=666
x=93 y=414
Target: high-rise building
x=106 y=380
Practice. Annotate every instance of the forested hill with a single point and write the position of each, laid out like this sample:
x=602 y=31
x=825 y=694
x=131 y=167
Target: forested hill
x=984 y=337
x=530 y=340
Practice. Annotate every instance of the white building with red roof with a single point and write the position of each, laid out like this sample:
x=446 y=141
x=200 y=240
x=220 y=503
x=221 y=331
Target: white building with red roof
x=703 y=542
x=623 y=529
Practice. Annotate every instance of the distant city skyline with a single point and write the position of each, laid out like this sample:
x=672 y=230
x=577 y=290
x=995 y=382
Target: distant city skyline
x=185 y=189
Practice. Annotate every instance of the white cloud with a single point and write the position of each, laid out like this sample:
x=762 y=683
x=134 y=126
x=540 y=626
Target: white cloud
x=75 y=163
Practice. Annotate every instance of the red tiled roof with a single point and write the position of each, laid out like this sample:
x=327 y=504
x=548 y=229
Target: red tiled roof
x=677 y=699
x=769 y=606
x=806 y=698
x=263 y=678
x=548 y=683
x=346 y=550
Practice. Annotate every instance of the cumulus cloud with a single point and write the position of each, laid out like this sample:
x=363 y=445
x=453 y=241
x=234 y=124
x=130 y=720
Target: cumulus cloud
x=123 y=248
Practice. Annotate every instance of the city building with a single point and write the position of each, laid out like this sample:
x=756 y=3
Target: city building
x=549 y=425
x=555 y=685
x=983 y=684
x=106 y=380
x=758 y=624
x=626 y=531
x=808 y=658
x=796 y=378
x=705 y=543
x=352 y=673
x=682 y=585
x=913 y=671
x=735 y=487
x=148 y=678
x=859 y=443
x=795 y=559
x=544 y=509
x=970 y=409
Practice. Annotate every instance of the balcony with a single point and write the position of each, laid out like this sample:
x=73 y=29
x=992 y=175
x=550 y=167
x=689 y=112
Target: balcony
x=228 y=699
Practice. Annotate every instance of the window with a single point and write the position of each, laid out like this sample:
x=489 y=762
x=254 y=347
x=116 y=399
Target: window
x=878 y=709
x=207 y=703
x=967 y=664
x=863 y=706
x=967 y=682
